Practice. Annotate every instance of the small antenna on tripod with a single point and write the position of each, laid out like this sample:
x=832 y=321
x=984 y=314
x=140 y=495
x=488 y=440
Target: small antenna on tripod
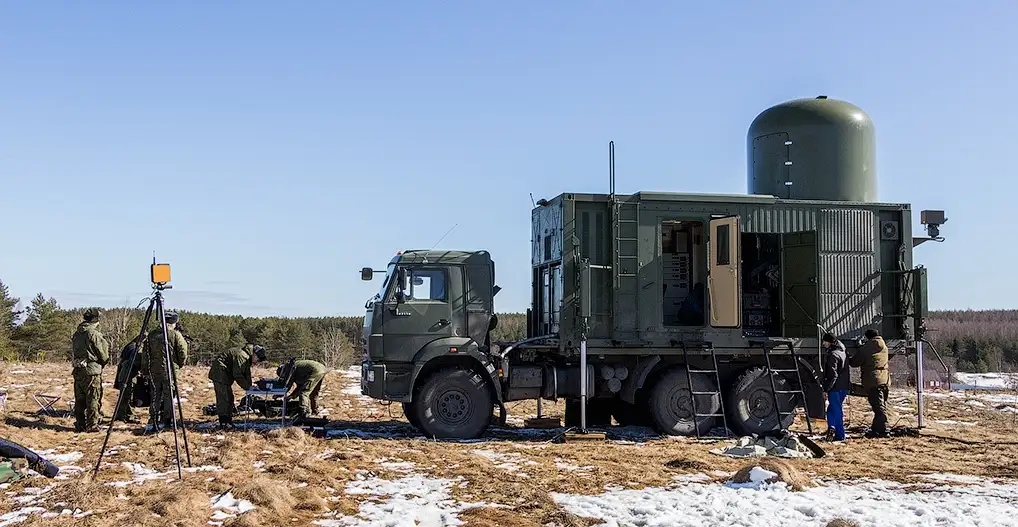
x=444 y=235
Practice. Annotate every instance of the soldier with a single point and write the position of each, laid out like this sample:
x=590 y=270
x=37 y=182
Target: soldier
x=90 y=352
x=872 y=361
x=126 y=380
x=307 y=376
x=837 y=383
x=232 y=365
x=161 y=410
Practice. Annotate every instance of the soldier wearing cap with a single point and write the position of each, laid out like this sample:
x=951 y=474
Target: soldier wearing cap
x=232 y=365
x=90 y=351
x=154 y=365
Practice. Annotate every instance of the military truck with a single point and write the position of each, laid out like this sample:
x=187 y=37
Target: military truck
x=690 y=312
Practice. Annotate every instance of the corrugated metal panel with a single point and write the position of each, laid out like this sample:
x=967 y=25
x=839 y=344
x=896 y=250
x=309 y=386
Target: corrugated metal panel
x=848 y=315
x=847 y=230
x=849 y=273
x=777 y=219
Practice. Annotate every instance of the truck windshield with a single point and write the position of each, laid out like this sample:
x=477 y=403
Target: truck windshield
x=389 y=271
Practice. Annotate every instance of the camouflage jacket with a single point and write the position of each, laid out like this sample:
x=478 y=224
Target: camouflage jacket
x=154 y=363
x=232 y=365
x=304 y=370
x=871 y=359
x=90 y=350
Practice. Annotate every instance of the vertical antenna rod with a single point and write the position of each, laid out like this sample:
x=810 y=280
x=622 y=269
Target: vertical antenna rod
x=611 y=167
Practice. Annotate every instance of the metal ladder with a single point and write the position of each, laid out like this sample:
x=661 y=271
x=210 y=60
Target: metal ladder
x=624 y=263
x=774 y=391
x=693 y=394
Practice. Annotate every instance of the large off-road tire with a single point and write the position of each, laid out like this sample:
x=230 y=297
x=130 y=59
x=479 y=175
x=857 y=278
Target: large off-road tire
x=452 y=403
x=671 y=406
x=751 y=403
x=408 y=412
x=598 y=413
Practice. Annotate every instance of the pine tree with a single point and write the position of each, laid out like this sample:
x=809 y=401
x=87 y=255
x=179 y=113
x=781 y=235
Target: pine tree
x=8 y=315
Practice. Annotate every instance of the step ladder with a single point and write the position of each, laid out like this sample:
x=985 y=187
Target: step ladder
x=692 y=394
x=767 y=346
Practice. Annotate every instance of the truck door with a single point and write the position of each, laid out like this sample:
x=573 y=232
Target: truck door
x=800 y=299
x=423 y=314
x=724 y=298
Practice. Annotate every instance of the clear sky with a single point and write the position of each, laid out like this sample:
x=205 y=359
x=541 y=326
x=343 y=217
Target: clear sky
x=270 y=150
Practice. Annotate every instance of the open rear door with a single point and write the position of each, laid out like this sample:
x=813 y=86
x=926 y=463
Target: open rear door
x=723 y=273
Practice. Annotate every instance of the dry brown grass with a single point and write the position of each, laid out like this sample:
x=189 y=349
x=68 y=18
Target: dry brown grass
x=839 y=522
x=293 y=478
x=785 y=472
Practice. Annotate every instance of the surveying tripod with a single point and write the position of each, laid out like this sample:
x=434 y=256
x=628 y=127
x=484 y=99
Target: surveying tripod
x=157 y=303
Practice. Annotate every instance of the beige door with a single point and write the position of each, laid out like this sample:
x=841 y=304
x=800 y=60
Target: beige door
x=723 y=273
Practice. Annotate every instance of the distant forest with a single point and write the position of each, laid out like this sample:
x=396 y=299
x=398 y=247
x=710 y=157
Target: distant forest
x=975 y=341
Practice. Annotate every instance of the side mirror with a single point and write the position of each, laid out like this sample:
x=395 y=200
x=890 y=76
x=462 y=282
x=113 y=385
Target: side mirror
x=495 y=290
x=367 y=273
x=400 y=285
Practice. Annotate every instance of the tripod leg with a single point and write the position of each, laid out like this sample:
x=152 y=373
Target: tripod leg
x=120 y=398
x=169 y=377
x=180 y=409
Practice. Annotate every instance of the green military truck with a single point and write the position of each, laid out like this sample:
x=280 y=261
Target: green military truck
x=689 y=311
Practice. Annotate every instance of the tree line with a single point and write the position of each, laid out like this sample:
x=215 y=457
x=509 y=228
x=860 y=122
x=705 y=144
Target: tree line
x=44 y=333
x=976 y=341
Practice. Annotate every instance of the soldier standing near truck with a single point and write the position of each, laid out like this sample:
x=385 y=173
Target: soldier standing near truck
x=307 y=376
x=872 y=361
x=90 y=352
x=125 y=382
x=837 y=383
x=232 y=365
x=161 y=409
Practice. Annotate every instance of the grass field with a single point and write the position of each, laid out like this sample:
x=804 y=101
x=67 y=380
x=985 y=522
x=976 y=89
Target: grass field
x=374 y=469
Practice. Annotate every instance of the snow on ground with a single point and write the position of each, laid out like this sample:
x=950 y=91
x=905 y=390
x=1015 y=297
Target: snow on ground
x=507 y=462
x=985 y=381
x=415 y=499
x=225 y=507
x=870 y=502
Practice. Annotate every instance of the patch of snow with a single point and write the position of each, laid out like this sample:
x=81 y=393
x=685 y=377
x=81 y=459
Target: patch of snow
x=143 y=474
x=19 y=515
x=949 y=422
x=64 y=458
x=870 y=502
x=759 y=475
x=21 y=385
x=412 y=500
x=20 y=372
x=981 y=381
x=507 y=462
x=562 y=465
x=230 y=505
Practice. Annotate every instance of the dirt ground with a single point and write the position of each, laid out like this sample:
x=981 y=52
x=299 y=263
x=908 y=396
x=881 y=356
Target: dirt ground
x=293 y=478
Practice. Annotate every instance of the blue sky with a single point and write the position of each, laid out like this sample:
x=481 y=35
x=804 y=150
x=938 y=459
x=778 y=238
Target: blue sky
x=269 y=151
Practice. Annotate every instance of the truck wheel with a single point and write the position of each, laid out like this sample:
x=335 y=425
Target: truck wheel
x=751 y=403
x=671 y=407
x=453 y=403
x=408 y=412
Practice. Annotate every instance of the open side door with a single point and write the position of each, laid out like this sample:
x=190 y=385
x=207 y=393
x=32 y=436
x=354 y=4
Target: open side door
x=723 y=280
x=800 y=297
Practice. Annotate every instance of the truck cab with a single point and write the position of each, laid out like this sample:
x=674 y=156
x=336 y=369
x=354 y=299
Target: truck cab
x=427 y=340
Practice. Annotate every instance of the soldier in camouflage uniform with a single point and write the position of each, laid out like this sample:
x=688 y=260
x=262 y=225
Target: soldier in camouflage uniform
x=232 y=365
x=307 y=376
x=12 y=470
x=154 y=364
x=125 y=382
x=872 y=361
x=90 y=352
